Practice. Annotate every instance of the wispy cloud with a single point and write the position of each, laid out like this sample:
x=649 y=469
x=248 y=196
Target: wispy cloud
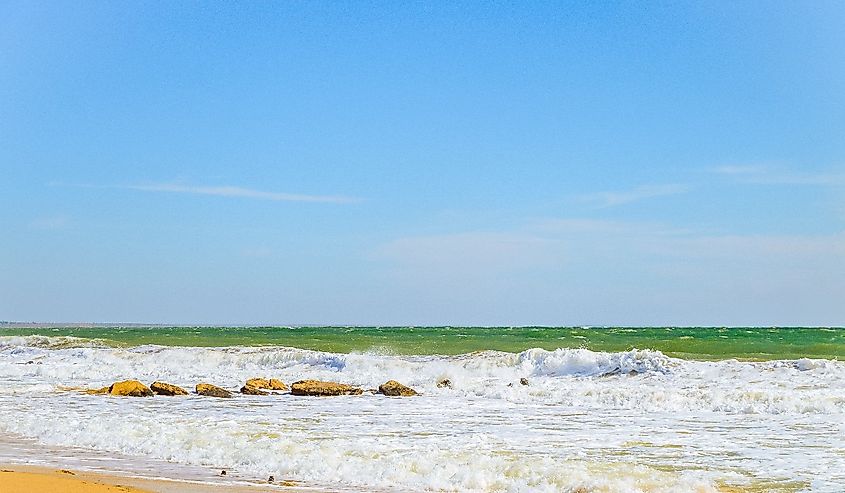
x=744 y=169
x=615 y=198
x=234 y=191
x=610 y=271
x=486 y=252
x=771 y=175
x=257 y=252
x=220 y=191
x=52 y=223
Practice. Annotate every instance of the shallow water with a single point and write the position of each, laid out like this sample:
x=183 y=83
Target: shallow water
x=616 y=421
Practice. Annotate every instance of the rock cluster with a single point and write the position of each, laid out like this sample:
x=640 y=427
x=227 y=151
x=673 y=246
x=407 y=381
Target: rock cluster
x=253 y=386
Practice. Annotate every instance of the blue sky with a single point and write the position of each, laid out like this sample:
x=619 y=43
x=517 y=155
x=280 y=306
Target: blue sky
x=423 y=163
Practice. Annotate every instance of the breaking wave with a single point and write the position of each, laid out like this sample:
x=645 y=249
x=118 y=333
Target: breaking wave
x=599 y=421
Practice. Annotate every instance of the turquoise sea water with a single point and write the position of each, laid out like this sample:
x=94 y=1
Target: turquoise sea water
x=701 y=343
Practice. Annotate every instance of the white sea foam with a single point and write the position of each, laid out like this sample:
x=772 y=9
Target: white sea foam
x=631 y=421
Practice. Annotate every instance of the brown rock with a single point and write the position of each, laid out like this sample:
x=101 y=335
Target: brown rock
x=248 y=390
x=263 y=383
x=212 y=390
x=277 y=385
x=395 y=389
x=523 y=381
x=444 y=383
x=162 y=388
x=258 y=383
x=104 y=390
x=130 y=388
x=316 y=387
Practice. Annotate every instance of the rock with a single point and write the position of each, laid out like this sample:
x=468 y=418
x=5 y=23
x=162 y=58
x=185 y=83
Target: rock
x=263 y=383
x=130 y=388
x=104 y=390
x=212 y=390
x=258 y=383
x=523 y=381
x=246 y=389
x=162 y=388
x=395 y=389
x=444 y=382
x=316 y=387
x=277 y=385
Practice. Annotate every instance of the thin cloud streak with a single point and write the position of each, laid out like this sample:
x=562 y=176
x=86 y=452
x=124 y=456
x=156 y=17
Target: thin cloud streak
x=612 y=199
x=768 y=175
x=603 y=271
x=222 y=191
x=232 y=191
x=53 y=223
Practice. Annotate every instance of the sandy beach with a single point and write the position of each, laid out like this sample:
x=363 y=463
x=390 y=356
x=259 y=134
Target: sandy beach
x=37 y=480
x=15 y=478
x=31 y=479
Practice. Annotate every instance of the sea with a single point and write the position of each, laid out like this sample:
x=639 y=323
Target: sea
x=545 y=409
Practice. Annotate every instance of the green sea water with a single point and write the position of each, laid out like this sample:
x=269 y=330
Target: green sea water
x=701 y=343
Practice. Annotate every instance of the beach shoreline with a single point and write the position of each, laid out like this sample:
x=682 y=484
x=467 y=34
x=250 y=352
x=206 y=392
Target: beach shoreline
x=18 y=478
x=29 y=467
x=30 y=479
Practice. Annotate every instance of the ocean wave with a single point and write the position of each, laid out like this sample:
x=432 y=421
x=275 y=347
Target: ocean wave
x=599 y=421
x=55 y=342
x=576 y=377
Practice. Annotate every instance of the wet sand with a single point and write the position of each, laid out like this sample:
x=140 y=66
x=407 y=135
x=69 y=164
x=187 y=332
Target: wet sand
x=16 y=478
x=45 y=481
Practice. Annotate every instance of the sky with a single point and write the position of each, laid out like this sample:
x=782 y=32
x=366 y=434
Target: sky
x=490 y=163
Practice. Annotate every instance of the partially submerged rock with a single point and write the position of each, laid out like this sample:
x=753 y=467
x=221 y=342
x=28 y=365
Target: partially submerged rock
x=249 y=390
x=161 y=388
x=130 y=388
x=523 y=381
x=209 y=390
x=258 y=383
x=104 y=390
x=444 y=382
x=263 y=383
x=277 y=385
x=319 y=388
x=395 y=389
